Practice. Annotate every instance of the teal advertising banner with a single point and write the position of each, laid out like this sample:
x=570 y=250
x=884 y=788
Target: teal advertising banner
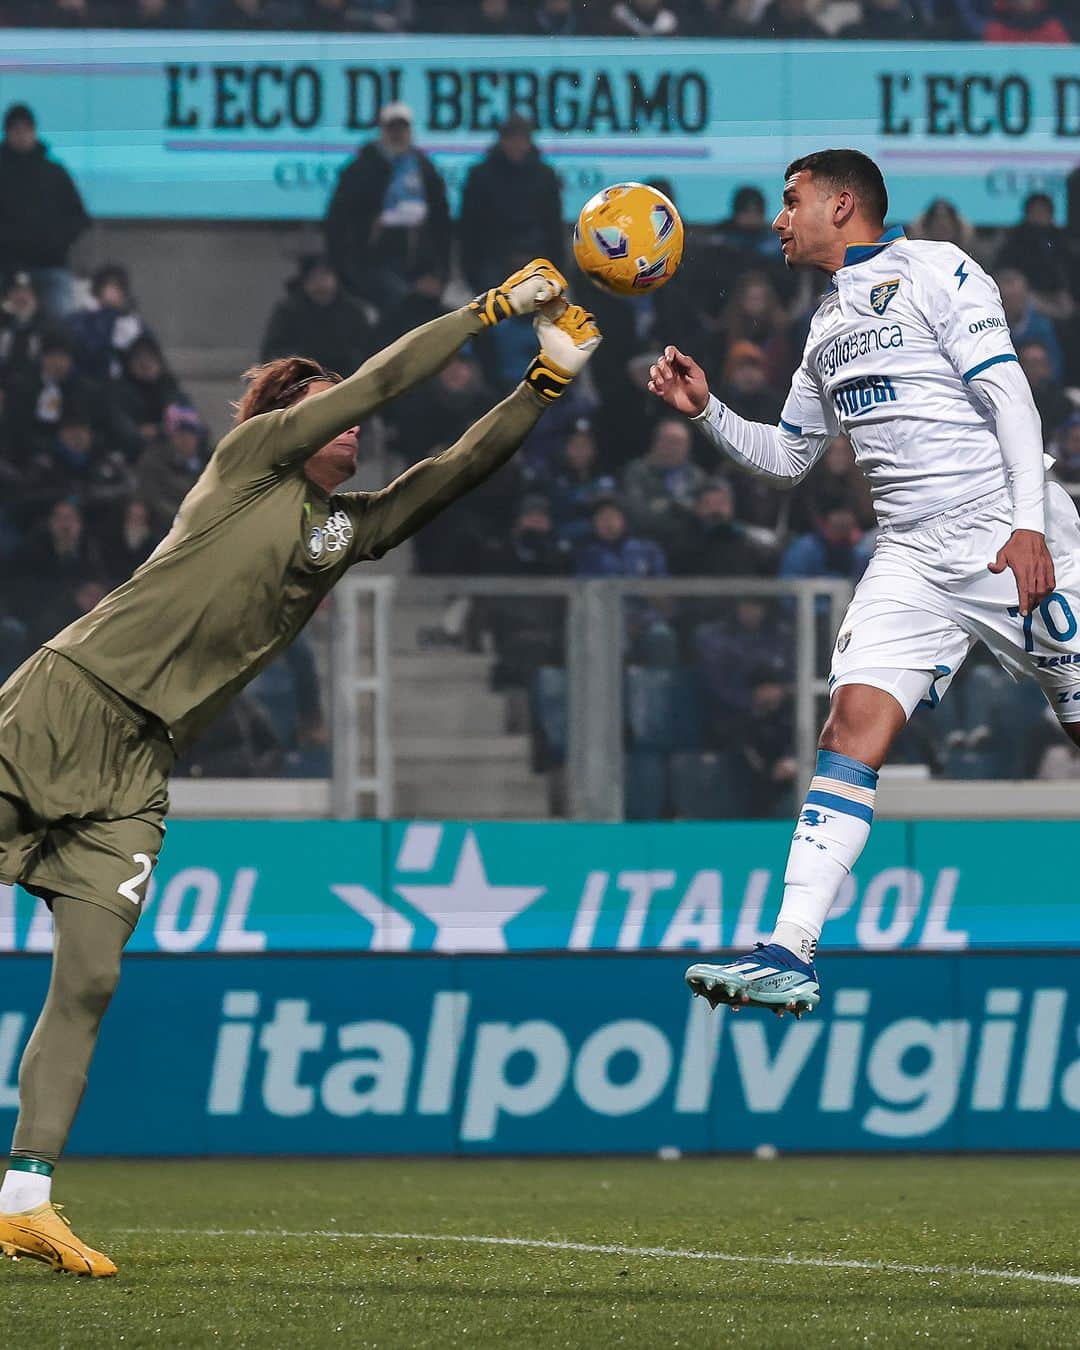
x=245 y=887
x=216 y=125
x=560 y=1054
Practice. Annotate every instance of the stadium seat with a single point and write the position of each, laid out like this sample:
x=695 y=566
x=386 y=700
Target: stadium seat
x=704 y=786
x=663 y=708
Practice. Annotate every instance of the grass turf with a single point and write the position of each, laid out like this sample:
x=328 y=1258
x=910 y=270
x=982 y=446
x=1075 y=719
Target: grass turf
x=180 y=1287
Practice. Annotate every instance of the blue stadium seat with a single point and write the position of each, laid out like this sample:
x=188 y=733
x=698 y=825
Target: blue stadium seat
x=548 y=697
x=644 y=784
x=704 y=786
x=663 y=708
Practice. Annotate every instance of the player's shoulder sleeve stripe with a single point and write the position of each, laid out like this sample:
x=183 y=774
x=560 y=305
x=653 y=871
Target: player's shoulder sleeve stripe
x=791 y=428
x=984 y=365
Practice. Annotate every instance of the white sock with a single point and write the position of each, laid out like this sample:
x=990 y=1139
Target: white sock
x=24 y=1190
x=832 y=831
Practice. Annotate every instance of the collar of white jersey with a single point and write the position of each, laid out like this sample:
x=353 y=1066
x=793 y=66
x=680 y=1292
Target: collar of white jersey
x=857 y=253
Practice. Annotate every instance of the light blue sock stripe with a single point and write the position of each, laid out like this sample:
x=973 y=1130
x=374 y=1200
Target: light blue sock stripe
x=845 y=769
x=844 y=805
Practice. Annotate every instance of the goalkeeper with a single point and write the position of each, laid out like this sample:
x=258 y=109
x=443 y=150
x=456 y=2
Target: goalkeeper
x=91 y=724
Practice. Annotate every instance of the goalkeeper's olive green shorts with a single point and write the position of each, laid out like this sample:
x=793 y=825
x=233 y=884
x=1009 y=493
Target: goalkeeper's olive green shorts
x=83 y=787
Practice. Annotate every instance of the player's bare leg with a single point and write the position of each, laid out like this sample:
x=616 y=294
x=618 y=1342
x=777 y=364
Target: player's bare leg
x=52 y=1078
x=831 y=832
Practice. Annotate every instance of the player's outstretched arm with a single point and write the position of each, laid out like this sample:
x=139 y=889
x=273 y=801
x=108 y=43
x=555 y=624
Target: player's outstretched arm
x=568 y=337
x=785 y=453
x=416 y=356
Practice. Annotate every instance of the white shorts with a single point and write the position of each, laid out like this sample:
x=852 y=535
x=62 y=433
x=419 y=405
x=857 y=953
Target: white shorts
x=926 y=599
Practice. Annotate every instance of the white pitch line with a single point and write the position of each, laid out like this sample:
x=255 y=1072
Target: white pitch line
x=614 y=1249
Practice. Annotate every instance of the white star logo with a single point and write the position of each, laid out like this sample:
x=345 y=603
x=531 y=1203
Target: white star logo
x=470 y=914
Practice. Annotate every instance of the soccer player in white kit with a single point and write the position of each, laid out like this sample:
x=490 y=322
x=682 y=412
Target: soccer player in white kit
x=908 y=353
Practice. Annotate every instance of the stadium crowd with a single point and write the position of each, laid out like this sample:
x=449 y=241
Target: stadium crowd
x=876 y=20
x=99 y=441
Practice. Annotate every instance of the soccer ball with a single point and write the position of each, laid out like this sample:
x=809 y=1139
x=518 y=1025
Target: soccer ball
x=629 y=239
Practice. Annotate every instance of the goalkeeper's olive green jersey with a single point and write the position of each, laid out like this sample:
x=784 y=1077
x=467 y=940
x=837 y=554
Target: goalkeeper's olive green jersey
x=256 y=545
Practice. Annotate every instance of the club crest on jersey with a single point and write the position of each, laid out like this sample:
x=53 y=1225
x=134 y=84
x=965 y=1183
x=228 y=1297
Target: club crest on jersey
x=842 y=641
x=882 y=294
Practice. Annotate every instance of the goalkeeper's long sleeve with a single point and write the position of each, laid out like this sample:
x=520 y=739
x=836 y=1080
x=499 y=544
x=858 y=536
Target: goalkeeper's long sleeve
x=1003 y=387
x=769 y=452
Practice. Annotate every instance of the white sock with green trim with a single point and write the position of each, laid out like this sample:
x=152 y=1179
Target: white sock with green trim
x=27 y=1184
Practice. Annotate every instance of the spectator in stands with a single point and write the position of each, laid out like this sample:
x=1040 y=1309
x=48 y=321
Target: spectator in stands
x=766 y=742
x=746 y=384
x=533 y=548
x=57 y=559
x=1050 y=399
x=488 y=18
x=372 y=16
x=790 y=21
x=288 y=692
x=831 y=549
x=554 y=18
x=714 y=544
x=729 y=652
x=437 y=413
x=1040 y=250
x=143 y=392
x=167 y=469
x=127 y=544
x=103 y=331
x=643 y=18
x=316 y=318
x=511 y=209
x=26 y=485
x=576 y=483
x=152 y=14
x=754 y=314
x=835 y=481
x=53 y=389
x=611 y=551
x=745 y=241
x=1025 y=21
x=389 y=221
x=886 y=21
x=85 y=469
x=21 y=329
x=420 y=304
x=1066 y=451
x=41 y=212
x=661 y=488
x=941 y=221
x=1026 y=324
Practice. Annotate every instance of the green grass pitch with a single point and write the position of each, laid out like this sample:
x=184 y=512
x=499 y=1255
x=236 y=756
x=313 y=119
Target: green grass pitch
x=828 y=1252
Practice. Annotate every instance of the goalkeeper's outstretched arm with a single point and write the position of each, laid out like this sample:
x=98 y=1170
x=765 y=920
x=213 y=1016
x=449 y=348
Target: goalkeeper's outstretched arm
x=306 y=426
x=567 y=340
x=782 y=453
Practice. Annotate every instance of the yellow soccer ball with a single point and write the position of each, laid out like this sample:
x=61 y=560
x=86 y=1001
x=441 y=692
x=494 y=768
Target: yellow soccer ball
x=629 y=239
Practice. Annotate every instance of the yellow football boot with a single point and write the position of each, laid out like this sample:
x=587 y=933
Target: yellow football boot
x=43 y=1234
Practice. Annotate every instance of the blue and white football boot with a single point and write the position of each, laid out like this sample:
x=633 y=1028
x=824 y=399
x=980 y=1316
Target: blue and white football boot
x=768 y=977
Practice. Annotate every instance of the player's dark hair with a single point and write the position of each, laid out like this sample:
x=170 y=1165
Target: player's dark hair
x=277 y=384
x=850 y=169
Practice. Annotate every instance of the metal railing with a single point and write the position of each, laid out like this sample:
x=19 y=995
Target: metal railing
x=594 y=658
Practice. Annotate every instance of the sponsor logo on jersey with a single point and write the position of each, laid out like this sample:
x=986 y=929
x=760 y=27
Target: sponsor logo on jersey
x=991 y=321
x=862 y=342
x=882 y=294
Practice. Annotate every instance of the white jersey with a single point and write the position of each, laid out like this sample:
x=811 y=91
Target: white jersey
x=889 y=358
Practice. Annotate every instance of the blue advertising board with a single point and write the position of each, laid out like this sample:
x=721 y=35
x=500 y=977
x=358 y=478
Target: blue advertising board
x=553 y=1054
x=449 y=887
x=219 y=125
